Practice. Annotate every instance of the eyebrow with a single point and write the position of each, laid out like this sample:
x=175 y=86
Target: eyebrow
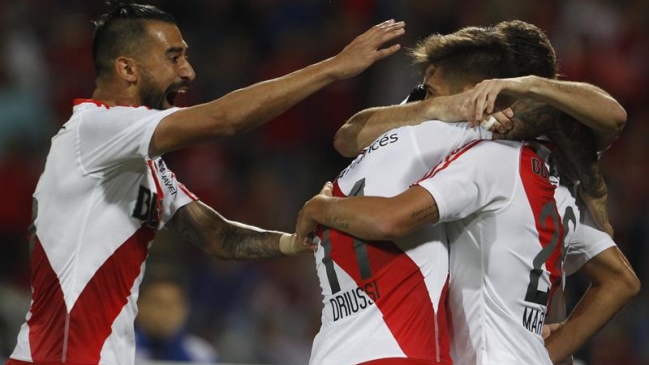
x=175 y=50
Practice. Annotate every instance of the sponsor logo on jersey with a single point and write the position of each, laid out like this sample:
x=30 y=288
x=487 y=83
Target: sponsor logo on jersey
x=146 y=207
x=354 y=300
x=387 y=139
x=167 y=180
x=539 y=168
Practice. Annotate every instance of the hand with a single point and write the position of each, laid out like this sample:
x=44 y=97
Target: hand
x=363 y=51
x=549 y=328
x=483 y=96
x=499 y=122
x=306 y=225
x=289 y=245
x=456 y=108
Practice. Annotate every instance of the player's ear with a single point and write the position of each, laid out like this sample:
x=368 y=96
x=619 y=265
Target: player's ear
x=126 y=69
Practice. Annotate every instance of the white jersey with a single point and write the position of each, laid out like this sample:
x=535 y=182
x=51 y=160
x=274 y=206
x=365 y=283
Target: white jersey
x=582 y=245
x=505 y=236
x=386 y=300
x=97 y=206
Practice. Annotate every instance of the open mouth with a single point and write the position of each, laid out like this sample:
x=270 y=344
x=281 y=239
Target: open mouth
x=171 y=97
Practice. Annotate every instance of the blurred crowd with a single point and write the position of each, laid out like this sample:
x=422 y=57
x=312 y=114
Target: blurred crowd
x=268 y=312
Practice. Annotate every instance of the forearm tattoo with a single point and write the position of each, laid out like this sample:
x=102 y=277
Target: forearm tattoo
x=428 y=214
x=208 y=230
x=245 y=244
x=575 y=153
x=531 y=119
x=334 y=222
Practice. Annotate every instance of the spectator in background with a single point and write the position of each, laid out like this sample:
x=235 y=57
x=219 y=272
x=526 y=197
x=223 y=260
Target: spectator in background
x=161 y=325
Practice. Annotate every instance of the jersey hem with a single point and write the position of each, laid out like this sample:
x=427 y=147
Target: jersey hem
x=13 y=361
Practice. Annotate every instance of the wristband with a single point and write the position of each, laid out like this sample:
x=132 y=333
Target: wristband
x=286 y=244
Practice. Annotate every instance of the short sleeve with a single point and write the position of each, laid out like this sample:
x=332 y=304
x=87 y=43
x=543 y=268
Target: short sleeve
x=588 y=242
x=436 y=139
x=471 y=180
x=114 y=135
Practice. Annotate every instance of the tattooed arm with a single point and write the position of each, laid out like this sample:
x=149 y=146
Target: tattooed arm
x=366 y=217
x=225 y=239
x=575 y=153
x=587 y=103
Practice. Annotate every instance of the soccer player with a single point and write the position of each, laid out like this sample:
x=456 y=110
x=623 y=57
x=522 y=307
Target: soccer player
x=384 y=302
x=614 y=282
x=105 y=191
x=537 y=68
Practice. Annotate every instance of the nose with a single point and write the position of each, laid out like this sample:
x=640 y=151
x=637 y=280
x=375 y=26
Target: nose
x=187 y=72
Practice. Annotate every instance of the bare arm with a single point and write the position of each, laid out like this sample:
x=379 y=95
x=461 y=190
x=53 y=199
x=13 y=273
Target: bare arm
x=365 y=126
x=250 y=107
x=613 y=284
x=587 y=103
x=225 y=239
x=369 y=218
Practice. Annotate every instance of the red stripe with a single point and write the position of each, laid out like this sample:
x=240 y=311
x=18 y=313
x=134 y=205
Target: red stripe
x=90 y=320
x=404 y=299
x=540 y=192
x=104 y=297
x=48 y=311
x=448 y=160
x=189 y=193
x=76 y=102
x=96 y=102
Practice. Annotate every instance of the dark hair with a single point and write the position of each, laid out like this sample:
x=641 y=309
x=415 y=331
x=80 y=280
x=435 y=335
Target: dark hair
x=533 y=52
x=120 y=30
x=468 y=56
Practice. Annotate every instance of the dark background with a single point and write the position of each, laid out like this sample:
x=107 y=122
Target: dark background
x=268 y=312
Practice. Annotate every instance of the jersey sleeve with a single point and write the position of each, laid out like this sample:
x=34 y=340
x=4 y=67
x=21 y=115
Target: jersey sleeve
x=116 y=135
x=178 y=201
x=588 y=242
x=436 y=139
x=475 y=178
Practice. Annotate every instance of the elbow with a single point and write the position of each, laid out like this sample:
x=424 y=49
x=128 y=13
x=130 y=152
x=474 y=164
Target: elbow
x=631 y=284
x=343 y=145
x=619 y=119
x=626 y=284
x=616 y=119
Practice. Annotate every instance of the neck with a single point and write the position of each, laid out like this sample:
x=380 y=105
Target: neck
x=113 y=95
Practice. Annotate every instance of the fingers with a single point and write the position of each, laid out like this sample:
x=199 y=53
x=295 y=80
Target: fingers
x=385 y=52
x=484 y=97
x=499 y=122
x=327 y=189
x=386 y=32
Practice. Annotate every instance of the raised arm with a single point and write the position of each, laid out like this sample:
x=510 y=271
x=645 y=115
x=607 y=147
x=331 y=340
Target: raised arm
x=250 y=107
x=365 y=126
x=613 y=284
x=366 y=217
x=225 y=239
x=587 y=103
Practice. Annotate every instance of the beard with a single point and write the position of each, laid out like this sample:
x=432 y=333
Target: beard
x=153 y=97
